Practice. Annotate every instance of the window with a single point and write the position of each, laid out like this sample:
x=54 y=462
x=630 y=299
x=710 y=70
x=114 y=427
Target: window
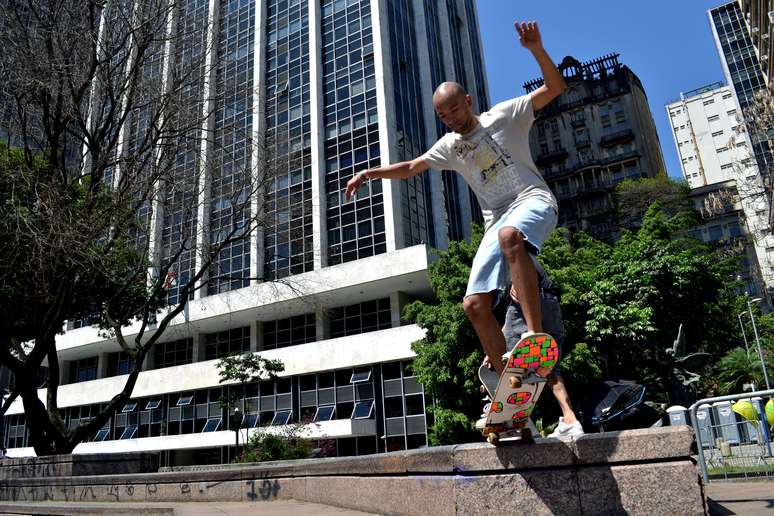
x=249 y=421
x=722 y=149
x=129 y=432
x=726 y=166
x=363 y=410
x=84 y=370
x=708 y=102
x=212 y=424
x=731 y=112
x=727 y=96
x=358 y=377
x=281 y=418
x=227 y=342
x=102 y=434
x=129 y=407
x=168 y=354
x=713 y=118
x=292 y=331
x=119 y=363
x=152 y=404
x=717 y=133
x=360 y=318
x=184 y=400
x=324 y=413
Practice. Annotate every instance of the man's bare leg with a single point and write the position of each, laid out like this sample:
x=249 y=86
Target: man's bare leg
x=560 y=393
x=523 y=276
x=478 y=308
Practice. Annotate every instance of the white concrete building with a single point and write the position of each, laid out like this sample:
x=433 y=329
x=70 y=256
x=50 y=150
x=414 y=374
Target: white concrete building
x=715 y=152
x=352 y=81
x=708 y=132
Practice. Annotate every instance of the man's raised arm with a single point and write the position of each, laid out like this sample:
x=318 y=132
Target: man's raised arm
x=401 y=170
x=553 y=82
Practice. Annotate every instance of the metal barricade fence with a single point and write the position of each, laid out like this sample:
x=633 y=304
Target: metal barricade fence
x=727 y=446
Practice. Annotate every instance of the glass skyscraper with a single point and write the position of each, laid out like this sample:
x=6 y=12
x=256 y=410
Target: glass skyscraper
x=307 y=93
x=740 y=63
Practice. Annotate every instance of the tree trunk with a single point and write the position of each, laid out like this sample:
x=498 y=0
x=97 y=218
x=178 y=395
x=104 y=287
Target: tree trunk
x=44 y=437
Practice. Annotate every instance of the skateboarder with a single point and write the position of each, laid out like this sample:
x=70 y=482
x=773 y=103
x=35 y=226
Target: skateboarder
x=554 y=325
x=491 y=151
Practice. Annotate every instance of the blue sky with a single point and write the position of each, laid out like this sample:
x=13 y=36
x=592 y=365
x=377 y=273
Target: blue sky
x=668 y=44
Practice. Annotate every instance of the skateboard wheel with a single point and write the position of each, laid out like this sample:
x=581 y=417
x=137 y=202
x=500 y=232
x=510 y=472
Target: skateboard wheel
x=482 y=389
x=526 y=434
x=515 y=383
x=493 y=438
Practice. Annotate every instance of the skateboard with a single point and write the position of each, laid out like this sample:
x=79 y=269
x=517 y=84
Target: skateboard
x=519 y=388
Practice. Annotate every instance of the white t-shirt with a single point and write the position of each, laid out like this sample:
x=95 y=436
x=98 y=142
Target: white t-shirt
x=494 y=158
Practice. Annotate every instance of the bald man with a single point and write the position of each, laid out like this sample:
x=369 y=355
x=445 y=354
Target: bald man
x=491 y=151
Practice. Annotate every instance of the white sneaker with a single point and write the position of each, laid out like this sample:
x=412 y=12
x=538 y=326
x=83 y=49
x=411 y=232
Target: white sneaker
x=565 y=430
x=482 y=419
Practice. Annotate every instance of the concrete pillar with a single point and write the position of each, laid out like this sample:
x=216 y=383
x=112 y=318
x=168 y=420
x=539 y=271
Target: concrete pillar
x=258 y=171
x=385 y=105
x=316 y=105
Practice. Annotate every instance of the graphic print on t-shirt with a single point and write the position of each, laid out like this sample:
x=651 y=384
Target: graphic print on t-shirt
x=488 y=157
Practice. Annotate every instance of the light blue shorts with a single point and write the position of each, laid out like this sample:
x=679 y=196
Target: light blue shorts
x=535 y=219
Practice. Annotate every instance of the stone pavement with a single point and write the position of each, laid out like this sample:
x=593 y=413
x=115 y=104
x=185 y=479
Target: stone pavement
x=753 y=498
x=284 y=507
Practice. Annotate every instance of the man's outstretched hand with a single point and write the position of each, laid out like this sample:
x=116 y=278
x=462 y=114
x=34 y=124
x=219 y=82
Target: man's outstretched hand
x=529 y=35
x=353 y=184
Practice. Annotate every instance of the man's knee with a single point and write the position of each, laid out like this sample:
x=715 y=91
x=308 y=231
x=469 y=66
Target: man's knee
x=511 y=242
x=476 y=305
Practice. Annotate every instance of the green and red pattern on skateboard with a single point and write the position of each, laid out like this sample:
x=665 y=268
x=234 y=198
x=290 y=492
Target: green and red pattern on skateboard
x=518 y=398
x=519 y=387
x=538 y=353
x=519 y=419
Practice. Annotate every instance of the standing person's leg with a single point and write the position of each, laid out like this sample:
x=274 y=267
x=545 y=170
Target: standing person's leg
x=563 y=398
x=553 y=324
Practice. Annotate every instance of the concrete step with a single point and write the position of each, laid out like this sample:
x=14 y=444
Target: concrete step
x=284 y=507
x=648 y=471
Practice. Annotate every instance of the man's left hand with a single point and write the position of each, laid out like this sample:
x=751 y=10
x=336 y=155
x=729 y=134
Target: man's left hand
x=529 y=35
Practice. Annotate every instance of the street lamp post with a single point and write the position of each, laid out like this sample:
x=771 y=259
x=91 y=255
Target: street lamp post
x=758 y=340
x=744 y=335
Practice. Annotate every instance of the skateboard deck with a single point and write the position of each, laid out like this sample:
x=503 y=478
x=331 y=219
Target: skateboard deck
x=519 y=387
x=489 y=379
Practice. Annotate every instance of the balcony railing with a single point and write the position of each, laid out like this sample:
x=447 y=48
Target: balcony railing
x=617 y=137
x=621 y=157
x=551 y=156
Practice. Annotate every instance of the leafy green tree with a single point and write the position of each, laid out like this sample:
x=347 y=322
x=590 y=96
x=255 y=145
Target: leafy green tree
x=633 y=197
x=738 y=367
x=242 y=370
x=650 y=285
x=101 y=135
x=622 y=304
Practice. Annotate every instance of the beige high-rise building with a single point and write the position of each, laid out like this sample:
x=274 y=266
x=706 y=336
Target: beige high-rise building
x=597 y=133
